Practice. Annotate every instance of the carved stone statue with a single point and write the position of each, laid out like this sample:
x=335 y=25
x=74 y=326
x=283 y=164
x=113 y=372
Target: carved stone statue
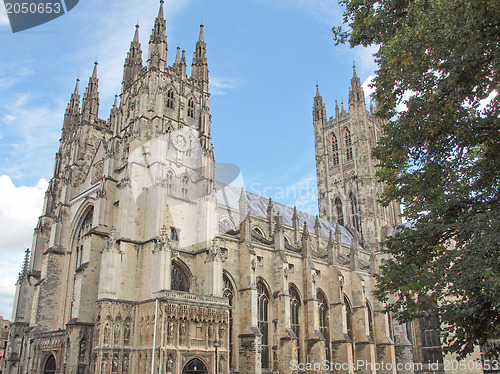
x=182 y=332
x=170 y=332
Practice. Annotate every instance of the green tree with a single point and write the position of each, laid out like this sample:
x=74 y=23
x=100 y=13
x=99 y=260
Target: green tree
x=440 y=157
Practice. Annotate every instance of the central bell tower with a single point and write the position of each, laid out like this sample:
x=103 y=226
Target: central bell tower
x=348 y=189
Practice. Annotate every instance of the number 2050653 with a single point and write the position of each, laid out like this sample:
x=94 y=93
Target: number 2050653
x=32 y=8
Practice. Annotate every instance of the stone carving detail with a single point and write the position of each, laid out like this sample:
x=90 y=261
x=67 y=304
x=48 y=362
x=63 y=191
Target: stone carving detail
x=116 y=332
x=211 y=332
x=112 y=243
x=125 y=363
x=106 y=332
x=114 y=364
x=97 y=174
x=182 y=333
x=83 y=350
x=170 y=363
x=126 y=332
x=170 y=332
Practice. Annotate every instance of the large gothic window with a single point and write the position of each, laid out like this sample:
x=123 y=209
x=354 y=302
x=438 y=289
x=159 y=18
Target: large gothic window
x=354 y=211
x=184 y=186
x=348 y=145
x=295 y=315
x=340 y=211
x=50 y=365
x=348 y=318
x=263 y=306
x=323 y=321
x=170 y=99
x=228 y=291
x=431 y=342
x=85 y=227
x=169 y=181
x=335 y=151
x=190 y=111
x=370 y=319
x=179 y=280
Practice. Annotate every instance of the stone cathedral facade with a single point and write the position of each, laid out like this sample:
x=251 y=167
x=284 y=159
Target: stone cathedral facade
x=143 y=261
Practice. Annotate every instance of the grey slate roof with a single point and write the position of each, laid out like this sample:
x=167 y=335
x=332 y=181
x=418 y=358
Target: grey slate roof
x=229 y=196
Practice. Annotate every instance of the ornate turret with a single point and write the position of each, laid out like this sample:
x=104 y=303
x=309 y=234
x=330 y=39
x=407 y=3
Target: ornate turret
x=199 y=67
x=23 y=274
x=157 y=54
x=72 y=111
x=90 y=104
x=133 y=62
x=356 y=93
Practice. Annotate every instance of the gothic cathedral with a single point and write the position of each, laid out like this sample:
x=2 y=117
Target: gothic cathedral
x=144 y=262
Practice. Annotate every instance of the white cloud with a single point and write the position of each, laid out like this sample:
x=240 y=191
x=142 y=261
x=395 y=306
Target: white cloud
x=8 y=119
x=365 y=62
x=366 y=87
x=33 y=122
x=220 y=86
x=10 y=75
x=19 y=211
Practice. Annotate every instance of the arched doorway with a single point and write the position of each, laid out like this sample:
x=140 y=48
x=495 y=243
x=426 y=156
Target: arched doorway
x=195 y=366
x=50 y=365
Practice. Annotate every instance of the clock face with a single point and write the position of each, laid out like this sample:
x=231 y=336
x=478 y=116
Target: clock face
x=180 y=142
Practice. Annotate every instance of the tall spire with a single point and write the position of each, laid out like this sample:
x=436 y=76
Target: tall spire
x=199 y=67
x=72 y=111
x=74 y=103
x=90 y=103
x=157 y=54
x=23 y=274
x=318 y=99
x=319 y=110
x=133 y=62
x=356 y=94
x=178 y=56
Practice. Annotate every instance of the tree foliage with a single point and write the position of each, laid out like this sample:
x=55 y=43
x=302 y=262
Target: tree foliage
x=440 y=157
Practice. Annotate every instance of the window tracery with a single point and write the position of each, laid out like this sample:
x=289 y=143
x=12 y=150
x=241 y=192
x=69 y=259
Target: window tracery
x=263 y=319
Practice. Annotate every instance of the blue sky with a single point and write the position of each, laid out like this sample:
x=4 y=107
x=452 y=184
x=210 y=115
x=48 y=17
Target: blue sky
x=264 y=57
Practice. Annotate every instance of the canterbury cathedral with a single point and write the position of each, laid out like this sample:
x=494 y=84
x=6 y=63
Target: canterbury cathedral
x=148 y=258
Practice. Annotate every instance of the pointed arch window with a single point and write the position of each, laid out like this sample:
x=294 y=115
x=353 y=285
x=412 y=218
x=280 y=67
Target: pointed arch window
x=190 y=110
x=370 y=319
x=354 y=211
x=85 y=227
x=184 y=186
x=295 y=315
x=50 y=365
x=335 y=151
x=263 y=318
x=228 y=291
x=189 y=151
x=348 y=318
x=323 y=320
x=170 y=99
x=259 y=232
x=178 y=279
x=339 y=211
x=169 y=179
x=348 y=145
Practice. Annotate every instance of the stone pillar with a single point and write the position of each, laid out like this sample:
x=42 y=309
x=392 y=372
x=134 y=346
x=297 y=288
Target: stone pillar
x=213 y=270
x=341 y=345
x=403 y=349
x=250 y=336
